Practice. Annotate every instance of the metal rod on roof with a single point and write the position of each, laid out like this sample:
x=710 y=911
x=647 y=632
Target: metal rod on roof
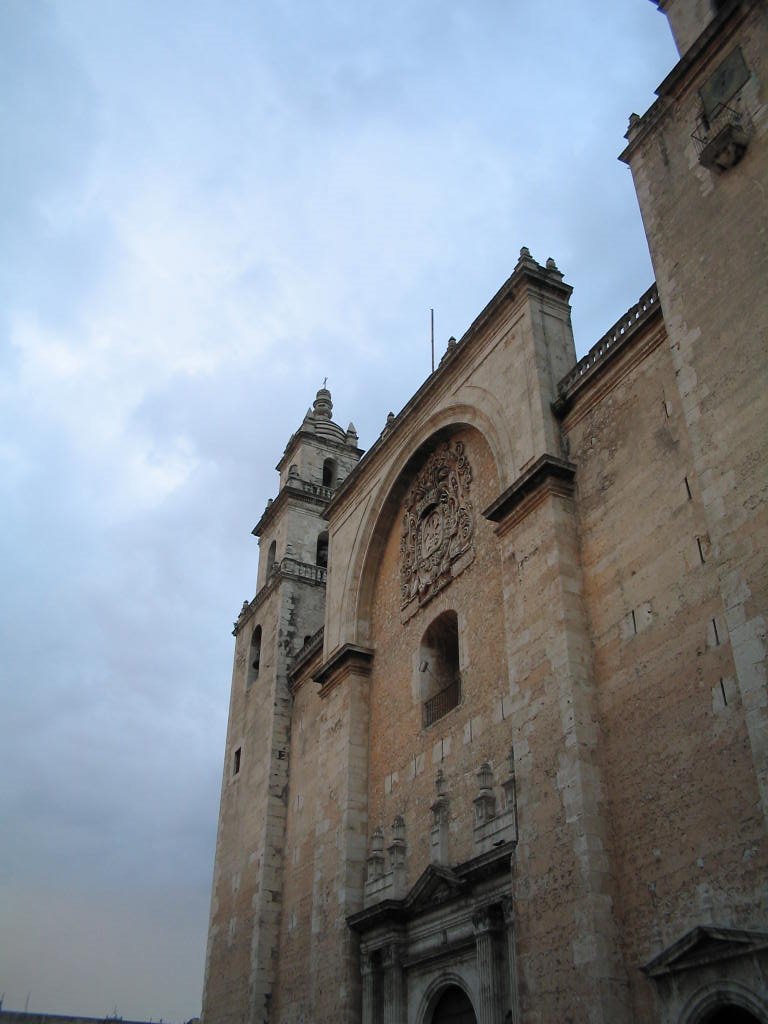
x=432 y=335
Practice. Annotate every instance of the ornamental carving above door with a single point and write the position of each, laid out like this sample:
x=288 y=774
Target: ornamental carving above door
x=437 y=542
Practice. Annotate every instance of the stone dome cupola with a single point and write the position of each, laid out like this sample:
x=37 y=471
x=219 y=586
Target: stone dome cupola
x=323 y=404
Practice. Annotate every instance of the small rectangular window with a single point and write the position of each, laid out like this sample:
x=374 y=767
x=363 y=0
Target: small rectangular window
x=236 y=762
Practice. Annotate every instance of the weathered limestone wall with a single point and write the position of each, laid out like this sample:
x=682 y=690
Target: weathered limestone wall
x=563 y=887
x=688 y=843
x=293 y=990
x=405 y=756
x=339 y=844
x=706 y=232
x=241 y=846
x=687 y=19
x=246 y=913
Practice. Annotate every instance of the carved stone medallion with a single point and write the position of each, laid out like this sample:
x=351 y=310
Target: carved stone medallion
x=438 y=526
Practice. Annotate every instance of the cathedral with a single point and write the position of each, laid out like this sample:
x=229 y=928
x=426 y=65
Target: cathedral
x=498 y=732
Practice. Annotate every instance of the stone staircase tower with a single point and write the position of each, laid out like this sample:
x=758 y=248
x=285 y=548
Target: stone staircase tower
x=287 y=611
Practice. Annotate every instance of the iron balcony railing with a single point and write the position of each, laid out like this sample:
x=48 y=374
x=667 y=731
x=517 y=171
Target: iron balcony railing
x=442 y=702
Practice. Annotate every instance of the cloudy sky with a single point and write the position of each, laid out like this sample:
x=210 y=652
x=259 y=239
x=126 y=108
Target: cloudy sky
x=207 y=207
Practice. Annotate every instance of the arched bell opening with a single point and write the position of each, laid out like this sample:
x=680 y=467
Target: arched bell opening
x=271 y=555
x=254 y=656
x=330 y=473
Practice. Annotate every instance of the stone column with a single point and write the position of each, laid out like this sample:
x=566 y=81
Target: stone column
x=508 y=909
x=394 y=986
x=369 y=987
x=489 y=989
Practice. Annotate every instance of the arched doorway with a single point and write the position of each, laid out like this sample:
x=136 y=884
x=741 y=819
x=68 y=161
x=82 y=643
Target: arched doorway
x=453 y=1007
x=731 y=1015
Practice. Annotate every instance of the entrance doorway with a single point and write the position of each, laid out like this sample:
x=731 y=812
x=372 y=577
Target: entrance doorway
x=454 y=1007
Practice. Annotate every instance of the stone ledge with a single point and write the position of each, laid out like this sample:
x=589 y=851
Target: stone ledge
x=349 y=658
x=544 y=469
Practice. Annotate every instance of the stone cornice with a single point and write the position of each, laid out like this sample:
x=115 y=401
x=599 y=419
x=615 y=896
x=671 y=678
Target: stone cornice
x=528 y=277
x=486 y=866
x=705 y=945
x=300 y=491
x=634 y=323
x=347 y=659
x=288 y=568
x=545 y=471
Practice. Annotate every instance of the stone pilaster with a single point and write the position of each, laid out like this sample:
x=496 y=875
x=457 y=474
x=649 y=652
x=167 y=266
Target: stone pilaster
x=369 y=988
x=489 y=987
x=340 y=833
x=394 y=986
x=508 y=910
x=554 y=707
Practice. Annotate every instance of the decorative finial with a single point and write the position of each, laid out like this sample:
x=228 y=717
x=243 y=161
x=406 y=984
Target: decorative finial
x=325 y=381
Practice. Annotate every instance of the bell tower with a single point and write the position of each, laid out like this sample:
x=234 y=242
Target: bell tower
x=287 y=611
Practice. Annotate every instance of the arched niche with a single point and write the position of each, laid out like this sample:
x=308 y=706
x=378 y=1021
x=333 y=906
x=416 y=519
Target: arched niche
x=439 y=668
x=385 y=511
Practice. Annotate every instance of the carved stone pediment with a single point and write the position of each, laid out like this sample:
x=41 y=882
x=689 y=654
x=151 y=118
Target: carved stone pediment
x=703 y=945
x=438 y=526
x=436 y=885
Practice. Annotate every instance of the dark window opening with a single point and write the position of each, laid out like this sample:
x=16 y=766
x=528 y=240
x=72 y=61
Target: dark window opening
x=329 y=473
x=439 y=668
x=321 y=556
x=271 y=557
x=254 y=655
x=731 y=1015
x=454 y=1007
x=236 y=762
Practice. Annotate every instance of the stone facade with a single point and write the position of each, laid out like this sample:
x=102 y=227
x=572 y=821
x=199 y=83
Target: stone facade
x=506 y=759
